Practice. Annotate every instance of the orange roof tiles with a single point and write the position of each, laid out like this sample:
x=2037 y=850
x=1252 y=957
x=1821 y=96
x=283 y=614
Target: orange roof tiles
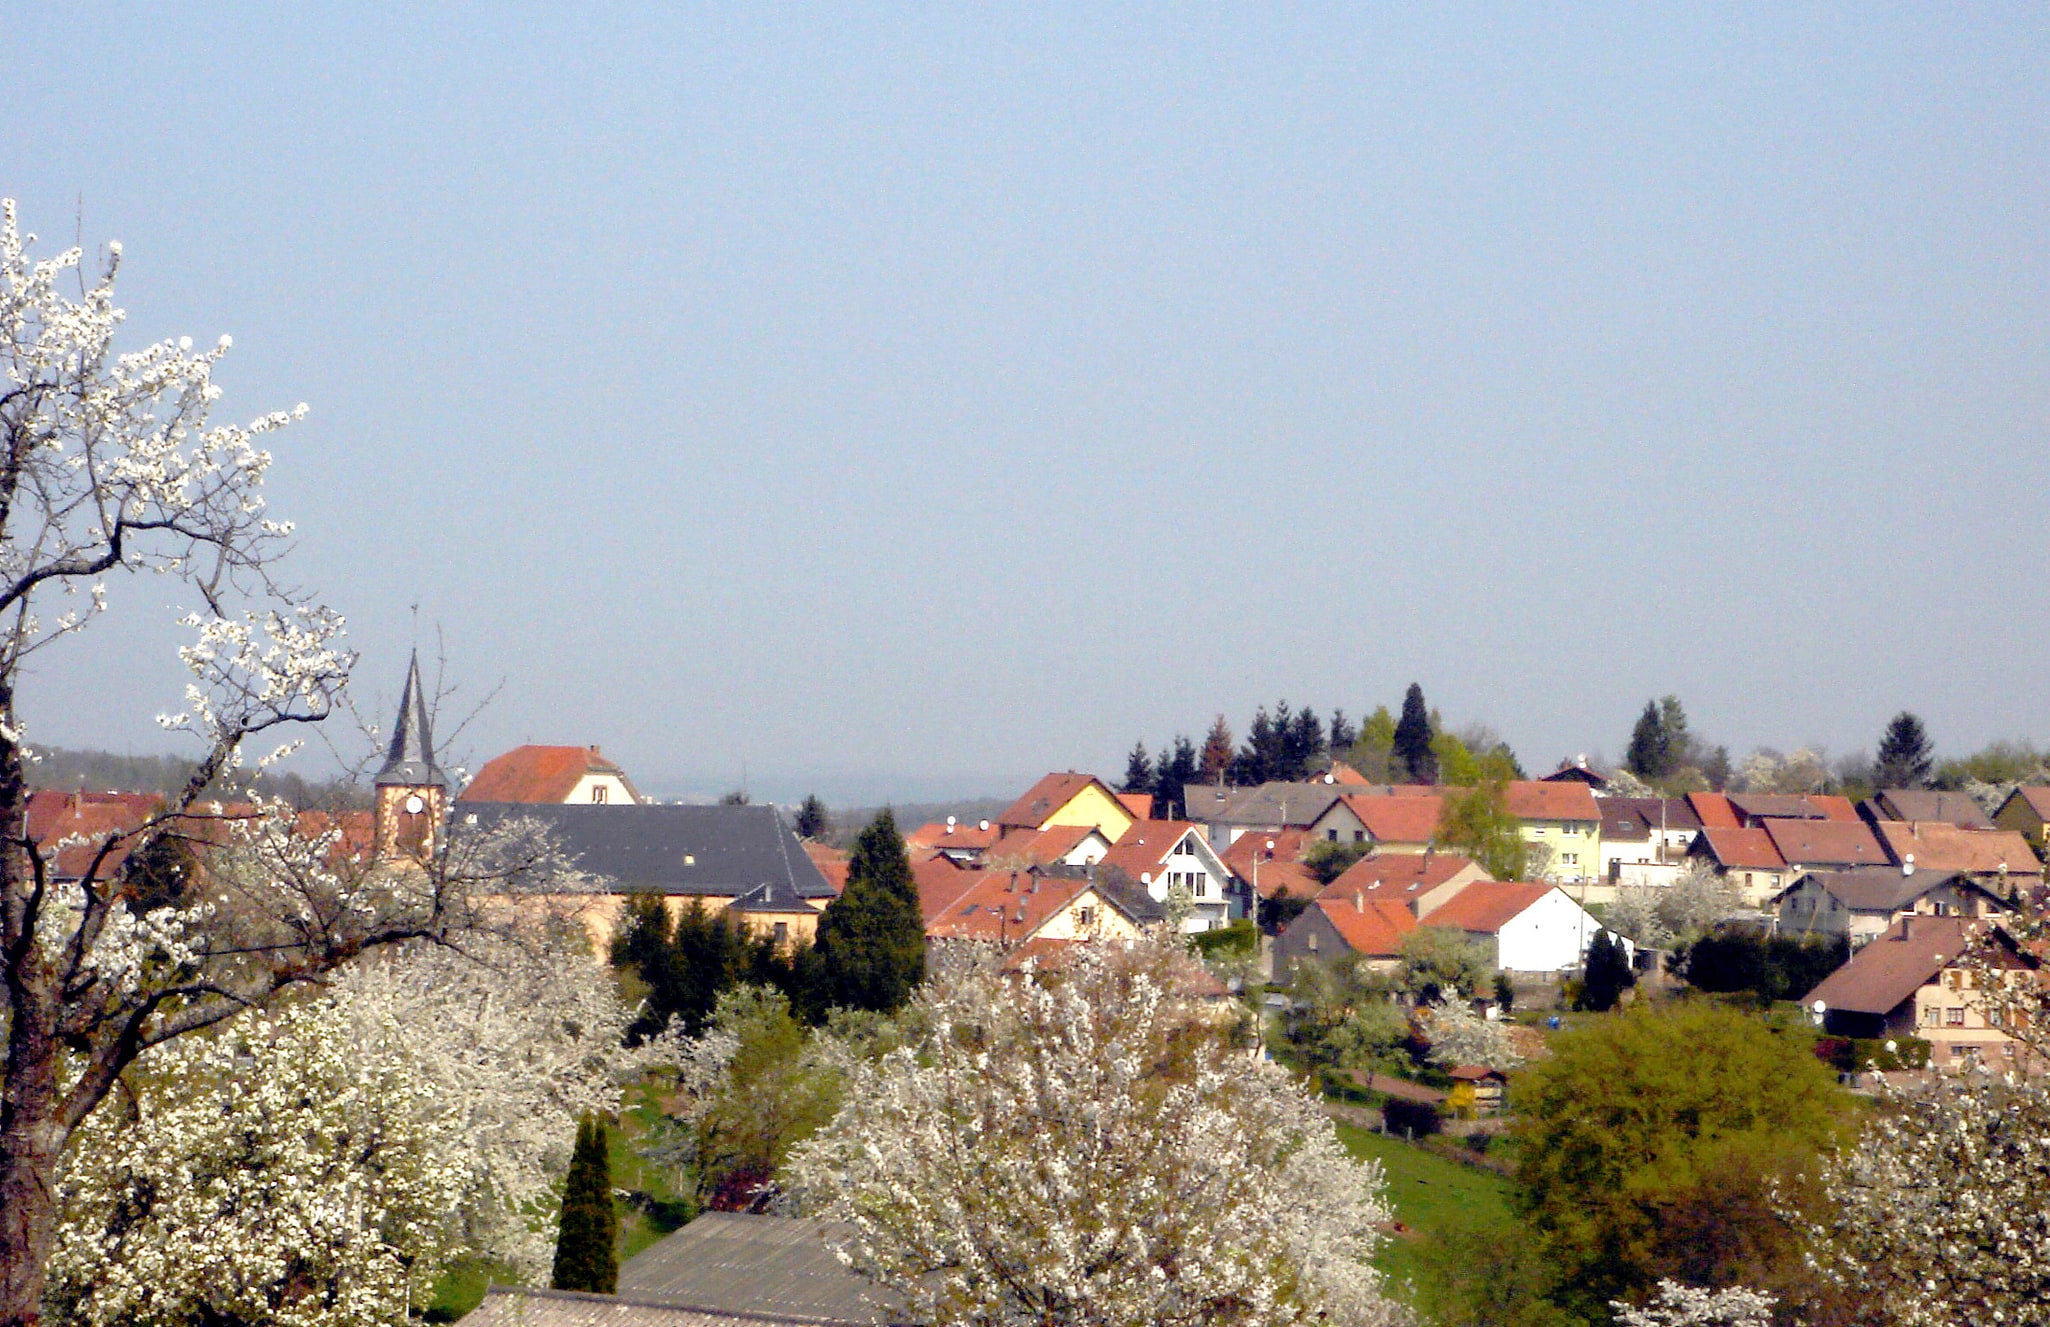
x=1752 y=848
x=1344 y=773
x=1146 y=845
x=1715 y=811
x=1401 y=875
x=1047 y=796
x=832 y=864
x=940 y=834
x=1937 y=846
x=1825 y=842
x=1398 y=819
x=1007 y=906
x=1529 y=799
x=1139 y=804
x=1039 y=847
x=1239 y=854
x=940 y=882
x=1486 y=906
x=1371 y=927
x=536 y=774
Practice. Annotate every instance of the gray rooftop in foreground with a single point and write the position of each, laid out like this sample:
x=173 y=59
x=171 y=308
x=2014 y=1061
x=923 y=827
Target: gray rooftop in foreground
x=712 y=850
x=519 y=1306
x=774 y=1266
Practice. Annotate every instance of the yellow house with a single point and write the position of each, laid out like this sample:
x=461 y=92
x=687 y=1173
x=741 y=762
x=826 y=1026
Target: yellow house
x=2026 y=811
x=1564 y=818
x=1070 y=799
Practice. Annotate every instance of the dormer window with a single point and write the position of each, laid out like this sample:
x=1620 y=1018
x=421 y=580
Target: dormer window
x=598 y=794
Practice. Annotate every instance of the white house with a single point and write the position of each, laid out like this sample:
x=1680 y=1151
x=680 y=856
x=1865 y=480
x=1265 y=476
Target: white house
x=1174 y=856
x=1530 y=926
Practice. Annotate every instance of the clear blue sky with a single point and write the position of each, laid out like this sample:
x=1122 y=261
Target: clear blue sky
x=909 y=402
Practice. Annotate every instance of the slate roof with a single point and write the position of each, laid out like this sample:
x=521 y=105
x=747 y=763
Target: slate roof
x=772 y=897
x=1912 y=804
x=539 y=774
x=1825 y=842
x=783 y=1268
x=409 y=760
x=708 y=850
x=1877 y=888
x=519 y=1306
x=1283 y=804
x=1047 y=796
x=1486 y=906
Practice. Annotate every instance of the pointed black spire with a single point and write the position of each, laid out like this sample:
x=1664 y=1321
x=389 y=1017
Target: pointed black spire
x=410 y=760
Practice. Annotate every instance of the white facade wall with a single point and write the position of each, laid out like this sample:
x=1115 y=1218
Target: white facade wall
x=607 y=789
x=1198 y=870
x=1550 y=935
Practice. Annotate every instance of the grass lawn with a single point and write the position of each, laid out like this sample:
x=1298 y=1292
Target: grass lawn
x=1430 y=1195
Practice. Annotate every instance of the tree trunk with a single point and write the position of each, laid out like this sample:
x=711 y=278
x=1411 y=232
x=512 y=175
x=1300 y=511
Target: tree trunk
x=31 y=1136
x=30 y=1141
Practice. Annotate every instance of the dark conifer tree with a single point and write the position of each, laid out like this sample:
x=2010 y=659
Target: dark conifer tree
x=1606 y=976
x=1343 y=734
x=1905 y=754
x=1650 y=753
x=1412 y=754
x=812 y=820
x=586 y=1253
x=1215 y=762
x=871 y=940
x=1178 y=769
x=1252 y=764
x=1302 y=745
x=1138 y=770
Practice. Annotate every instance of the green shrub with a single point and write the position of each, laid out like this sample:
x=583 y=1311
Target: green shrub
x=1415 y=1119
x=1240 y=939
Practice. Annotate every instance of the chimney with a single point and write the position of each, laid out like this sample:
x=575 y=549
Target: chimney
x=1359 y=901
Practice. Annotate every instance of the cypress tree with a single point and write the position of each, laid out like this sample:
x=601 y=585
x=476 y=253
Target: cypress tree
x=1606 y=976
x=871 y=940
x=1411 y=750
x=586 y=1252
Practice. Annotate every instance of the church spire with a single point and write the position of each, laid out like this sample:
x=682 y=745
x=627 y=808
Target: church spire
x=410 y=760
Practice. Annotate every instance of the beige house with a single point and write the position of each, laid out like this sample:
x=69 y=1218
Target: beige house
x=1861 y=903
x=1913 y=981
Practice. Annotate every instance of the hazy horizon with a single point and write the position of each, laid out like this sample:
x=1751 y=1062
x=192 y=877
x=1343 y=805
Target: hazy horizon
x=901 y=405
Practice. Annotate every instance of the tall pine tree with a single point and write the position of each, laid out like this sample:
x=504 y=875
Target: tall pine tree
x=1178 y=769
x=1650 y=755
x=871 y=940
x=1343 y=734
x=1215 y=762
x=812 y=820
x=1411 y=752
x=1905 y=754
x=586 y=1240
x=1138 y=770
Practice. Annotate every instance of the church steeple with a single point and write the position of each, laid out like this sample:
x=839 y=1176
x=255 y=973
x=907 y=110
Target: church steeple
x=412 y=792
x=409 y=762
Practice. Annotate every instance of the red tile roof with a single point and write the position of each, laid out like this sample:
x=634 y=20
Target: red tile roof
x=1344 y=773
x=1399 y=875
x=940 y=883
x=1283 y=878
x=832 y=864
x=1742 y=848
x=53 y=816
x=1145 y=846
x=1038 y=847
x=1825 y=842
x=1006 y=906
x=1941 y=847
x=1486 y=906
x=1715 y=811
x=1139 y=804
x=536 y=774
x=939 y=834
x=1398 y=819
x=1371 y=927
x=1833 y=806
x=1288 y=846
x=1528 y=799
x=1047 y=796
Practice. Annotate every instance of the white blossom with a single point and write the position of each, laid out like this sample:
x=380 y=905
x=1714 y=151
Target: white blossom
x=1460 y=1036
x=1676 y=1305
x=1086 y=1146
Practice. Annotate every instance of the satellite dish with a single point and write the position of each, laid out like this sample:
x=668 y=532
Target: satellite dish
x=1819 y=1007
x=414 y=805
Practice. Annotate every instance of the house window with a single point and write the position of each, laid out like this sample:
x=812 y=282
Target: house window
x=782 y=933
x=598 y=793
x=1570 y=858
x=1954 y=1017
x=1932 y=1015
x=1331 y=836
x=1359 y=836
x=1086 y=916
x=1313 y=942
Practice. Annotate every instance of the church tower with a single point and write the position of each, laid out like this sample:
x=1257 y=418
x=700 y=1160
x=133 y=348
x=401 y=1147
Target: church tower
x=412 y=793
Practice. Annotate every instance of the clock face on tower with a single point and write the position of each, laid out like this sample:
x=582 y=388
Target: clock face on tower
x=414 y=806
